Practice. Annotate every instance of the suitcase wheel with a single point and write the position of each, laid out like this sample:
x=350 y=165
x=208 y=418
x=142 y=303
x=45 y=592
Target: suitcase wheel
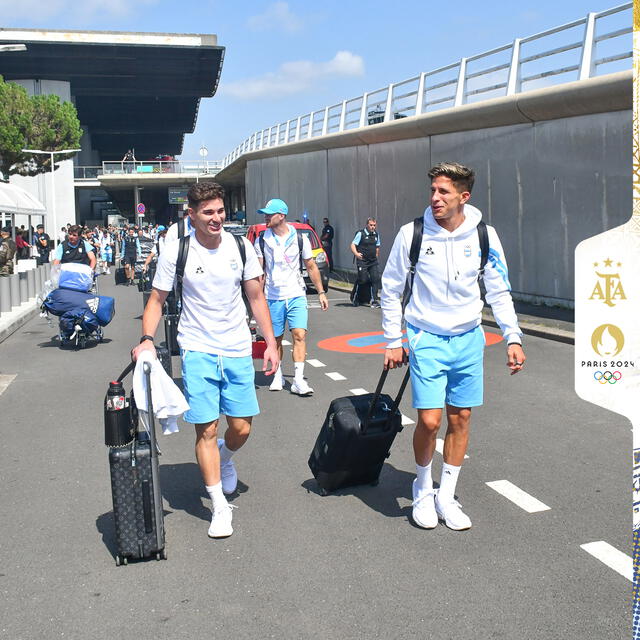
x=161 y=555
x=323 y=492
x=121 y=560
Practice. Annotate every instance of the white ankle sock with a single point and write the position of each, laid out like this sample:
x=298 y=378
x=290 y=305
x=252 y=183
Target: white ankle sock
x=225 y=452
x=424 y=480
x=216 y=495
x=298 y=371
x=448 y=481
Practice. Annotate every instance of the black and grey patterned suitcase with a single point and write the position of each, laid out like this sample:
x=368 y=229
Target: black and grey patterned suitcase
x=120 y=276
x=137 y=498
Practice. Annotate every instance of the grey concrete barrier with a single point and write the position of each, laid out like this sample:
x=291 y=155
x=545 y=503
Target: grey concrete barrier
x=14 y=284
x=39 y=274
x=31 y=284
x=5 y=294
x=24 y=289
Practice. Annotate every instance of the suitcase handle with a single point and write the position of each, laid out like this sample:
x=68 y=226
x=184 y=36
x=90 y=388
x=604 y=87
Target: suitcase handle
x=126 y=372
x=378 y=391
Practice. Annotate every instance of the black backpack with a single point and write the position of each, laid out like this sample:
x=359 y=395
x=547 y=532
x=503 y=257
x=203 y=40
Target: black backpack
x=264 y=259
x=414 y=254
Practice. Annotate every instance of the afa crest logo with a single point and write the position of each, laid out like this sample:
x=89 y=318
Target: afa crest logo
x=608 y=287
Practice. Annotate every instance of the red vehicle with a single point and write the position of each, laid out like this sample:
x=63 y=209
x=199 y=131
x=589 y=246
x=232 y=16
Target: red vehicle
x=318 y=252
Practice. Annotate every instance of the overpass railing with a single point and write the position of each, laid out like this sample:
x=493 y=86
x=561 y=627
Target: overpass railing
x=141 y=167
x=597 y=44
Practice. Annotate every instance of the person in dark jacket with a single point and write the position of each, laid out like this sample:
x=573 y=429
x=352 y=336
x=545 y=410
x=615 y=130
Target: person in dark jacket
x=366 y=248
x=7 y=252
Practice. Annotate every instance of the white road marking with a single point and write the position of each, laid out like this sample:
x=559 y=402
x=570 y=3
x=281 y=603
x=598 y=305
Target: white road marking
x=5 y=381
x=440 y=447
x=406 y=420
x=518 y=496
x=358 y=392
x=334 y=375
x=613 y=558
x=316 y=363
x=286 y=343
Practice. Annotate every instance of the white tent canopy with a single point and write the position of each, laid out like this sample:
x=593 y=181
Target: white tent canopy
x=14 y=200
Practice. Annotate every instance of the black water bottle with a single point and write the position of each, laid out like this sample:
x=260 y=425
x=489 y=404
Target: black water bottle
x=118 y=427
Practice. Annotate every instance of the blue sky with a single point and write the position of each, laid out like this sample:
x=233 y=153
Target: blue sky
x=284 y=59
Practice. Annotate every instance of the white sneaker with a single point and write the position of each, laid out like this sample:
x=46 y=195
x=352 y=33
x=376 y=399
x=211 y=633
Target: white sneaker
x=452 y=514
x=301 y=388
x=424 y=509
x=276 y=383
x=228 y=474
x=108 y=272
x=220 y=526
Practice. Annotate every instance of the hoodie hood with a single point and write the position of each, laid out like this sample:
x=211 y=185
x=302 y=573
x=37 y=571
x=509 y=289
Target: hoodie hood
x=471 y=218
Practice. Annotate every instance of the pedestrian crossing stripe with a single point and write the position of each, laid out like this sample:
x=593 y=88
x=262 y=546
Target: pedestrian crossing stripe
x=5 y=381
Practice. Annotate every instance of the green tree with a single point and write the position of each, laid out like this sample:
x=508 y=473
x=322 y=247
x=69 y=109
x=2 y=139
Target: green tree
x=37 y=122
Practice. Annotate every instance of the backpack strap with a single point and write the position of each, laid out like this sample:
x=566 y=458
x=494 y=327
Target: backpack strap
x=299 y=234
x=181 y=226
x=483 y=237
x=261 y=243
x=181 y=263
x=414 y=254
x=243 y=252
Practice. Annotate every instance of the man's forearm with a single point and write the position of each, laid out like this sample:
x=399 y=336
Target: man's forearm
x=314 y=274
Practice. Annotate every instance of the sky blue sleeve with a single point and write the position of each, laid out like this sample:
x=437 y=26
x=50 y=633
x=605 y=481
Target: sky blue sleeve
x=88 y=247
x=356 y=239
x=58 y=253
x=378 y=242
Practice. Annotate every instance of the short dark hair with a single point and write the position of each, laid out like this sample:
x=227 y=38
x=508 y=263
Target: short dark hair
x=462 y=177
x=74 y=228
x=203 y=191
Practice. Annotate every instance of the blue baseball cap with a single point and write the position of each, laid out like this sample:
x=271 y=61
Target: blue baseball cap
x=161 y=228
x=275 y=205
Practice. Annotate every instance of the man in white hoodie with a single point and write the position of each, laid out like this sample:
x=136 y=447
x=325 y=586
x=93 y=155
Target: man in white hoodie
x=445 y=339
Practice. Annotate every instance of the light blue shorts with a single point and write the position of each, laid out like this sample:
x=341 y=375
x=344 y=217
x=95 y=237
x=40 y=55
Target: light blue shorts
x=293 y=311
x=106 y=254
x=446 y=369
x=218 y=384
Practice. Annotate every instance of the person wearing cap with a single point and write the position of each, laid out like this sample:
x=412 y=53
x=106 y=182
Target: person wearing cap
x=282 y=252
x=7 y=252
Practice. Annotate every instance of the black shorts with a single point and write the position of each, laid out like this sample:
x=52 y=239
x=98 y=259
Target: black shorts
x=130 y=260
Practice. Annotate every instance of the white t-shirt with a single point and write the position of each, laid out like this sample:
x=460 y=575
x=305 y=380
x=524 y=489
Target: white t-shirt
x=213 y=316
x=282 y=264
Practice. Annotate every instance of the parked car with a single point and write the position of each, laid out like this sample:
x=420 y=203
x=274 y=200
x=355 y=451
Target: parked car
x=318 y=252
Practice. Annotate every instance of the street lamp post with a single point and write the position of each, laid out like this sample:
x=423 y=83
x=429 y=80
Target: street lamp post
x=51 y=155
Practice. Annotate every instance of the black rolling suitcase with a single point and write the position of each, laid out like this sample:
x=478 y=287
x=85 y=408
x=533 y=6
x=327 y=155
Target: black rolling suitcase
x=121 y=276
x=135 y=479
x=356 y=438
x=171 y=333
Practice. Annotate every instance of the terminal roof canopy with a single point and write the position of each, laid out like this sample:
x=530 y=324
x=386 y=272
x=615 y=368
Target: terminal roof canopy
x=132 y=90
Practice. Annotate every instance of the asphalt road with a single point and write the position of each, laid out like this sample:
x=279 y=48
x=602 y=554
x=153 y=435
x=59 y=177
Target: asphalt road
x=350 y=565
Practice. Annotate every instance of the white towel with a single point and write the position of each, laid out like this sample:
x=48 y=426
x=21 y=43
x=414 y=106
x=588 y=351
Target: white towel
x=168 y=401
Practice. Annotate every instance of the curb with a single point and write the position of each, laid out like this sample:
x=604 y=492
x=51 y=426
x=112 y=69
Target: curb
x=20 y=316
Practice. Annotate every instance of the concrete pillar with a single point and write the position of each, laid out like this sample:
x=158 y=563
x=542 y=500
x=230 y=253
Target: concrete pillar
x=5 y=294
x=14 y=284
x=31 y=284
x=24 y=290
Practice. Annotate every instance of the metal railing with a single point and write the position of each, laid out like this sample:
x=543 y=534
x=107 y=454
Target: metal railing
x=597 y=44
x=145 y=168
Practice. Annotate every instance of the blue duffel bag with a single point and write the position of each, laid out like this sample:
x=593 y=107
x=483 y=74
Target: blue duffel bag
x=83 y=317
x=59 y=301
x=78 y=277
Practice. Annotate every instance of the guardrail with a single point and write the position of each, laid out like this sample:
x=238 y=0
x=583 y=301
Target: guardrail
x=145 y=167
x=597 y=44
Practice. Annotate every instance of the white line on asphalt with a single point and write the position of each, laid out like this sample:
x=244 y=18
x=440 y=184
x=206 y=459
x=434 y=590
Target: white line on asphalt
x=613 y=558
x=518 y=496
x=286 y=343
x=406 y=420
x=316 y=363
x=5 y=381
x=358 y=392
x=440 y=447
x=334 y=375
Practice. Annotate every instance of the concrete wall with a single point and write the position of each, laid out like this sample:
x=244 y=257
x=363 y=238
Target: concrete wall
x=544 y=185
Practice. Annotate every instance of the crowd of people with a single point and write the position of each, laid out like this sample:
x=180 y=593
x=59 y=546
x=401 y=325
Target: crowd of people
x=438 y=259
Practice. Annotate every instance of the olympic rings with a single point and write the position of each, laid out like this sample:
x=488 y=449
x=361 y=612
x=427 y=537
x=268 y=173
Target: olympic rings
x=607 y=376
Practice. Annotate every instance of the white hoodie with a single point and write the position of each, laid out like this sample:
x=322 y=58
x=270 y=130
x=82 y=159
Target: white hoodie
x=446 y=294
